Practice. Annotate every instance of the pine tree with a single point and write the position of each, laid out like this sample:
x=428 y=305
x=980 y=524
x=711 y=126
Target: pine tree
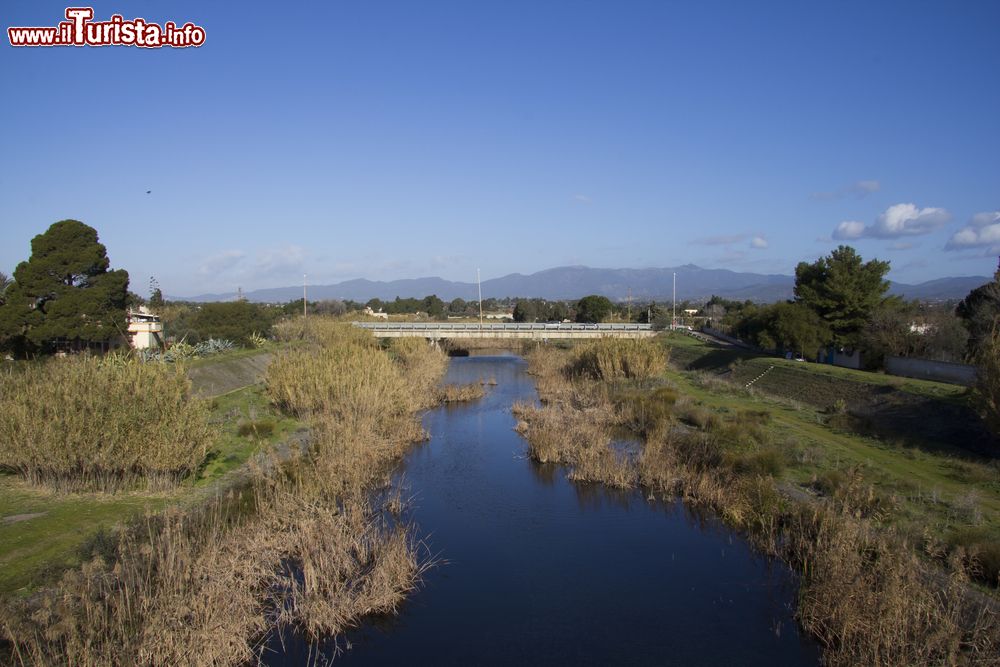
x=64 y=291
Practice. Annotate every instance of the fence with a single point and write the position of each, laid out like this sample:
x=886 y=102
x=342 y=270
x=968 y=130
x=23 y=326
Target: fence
x=925 y=369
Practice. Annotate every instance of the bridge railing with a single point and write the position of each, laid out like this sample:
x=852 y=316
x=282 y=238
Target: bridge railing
x=515 y=326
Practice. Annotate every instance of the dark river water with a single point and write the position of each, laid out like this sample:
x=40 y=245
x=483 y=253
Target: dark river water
x=542 y=571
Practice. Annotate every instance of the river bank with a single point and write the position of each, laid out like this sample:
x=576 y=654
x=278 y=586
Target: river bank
x=867 y=595
x=537 y=569
x=305 y=542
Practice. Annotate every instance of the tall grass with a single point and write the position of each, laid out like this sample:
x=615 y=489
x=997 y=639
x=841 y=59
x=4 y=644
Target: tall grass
x=619 y=359
x=84 y=423
x=422 y=365
x=308 y=545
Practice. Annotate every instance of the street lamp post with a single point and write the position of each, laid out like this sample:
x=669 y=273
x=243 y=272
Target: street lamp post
x=479 y=282
x=673 y=309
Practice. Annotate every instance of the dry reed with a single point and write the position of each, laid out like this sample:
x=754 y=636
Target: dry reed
x=306 y=545
x=865 y=594
x=619 y=359
x=85 y=423
x=460 y=393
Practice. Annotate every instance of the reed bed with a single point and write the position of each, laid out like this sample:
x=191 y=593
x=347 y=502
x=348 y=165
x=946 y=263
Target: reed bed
x=322 y=330
x=85 y=423
x=613 y=359
x=461 y=393
x=308 y=545
x=349 y=381
x=423 y=366
x=865 y=593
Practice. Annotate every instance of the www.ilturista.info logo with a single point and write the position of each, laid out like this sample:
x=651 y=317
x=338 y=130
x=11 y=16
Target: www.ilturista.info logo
x=80 y=30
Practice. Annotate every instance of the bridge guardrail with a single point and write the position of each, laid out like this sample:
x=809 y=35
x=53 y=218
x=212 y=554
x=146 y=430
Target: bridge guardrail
x=516 y=326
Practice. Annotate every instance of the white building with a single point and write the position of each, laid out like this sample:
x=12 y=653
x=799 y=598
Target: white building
x=377 y=314
x=145 y=329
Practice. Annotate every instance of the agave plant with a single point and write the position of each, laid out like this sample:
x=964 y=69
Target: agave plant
x=179 y=352
x=148 y=354
x=119 y=357
x=213 y=346
x=257 y=339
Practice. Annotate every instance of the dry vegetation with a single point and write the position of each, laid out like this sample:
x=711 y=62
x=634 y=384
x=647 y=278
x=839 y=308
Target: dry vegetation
x=612 y=359
x=312 y=543
x=866 y=594
x=460 y=393
x=85 y=423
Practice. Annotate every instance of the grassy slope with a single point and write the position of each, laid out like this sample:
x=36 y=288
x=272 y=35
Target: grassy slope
x=33 y=550
x=941 y=490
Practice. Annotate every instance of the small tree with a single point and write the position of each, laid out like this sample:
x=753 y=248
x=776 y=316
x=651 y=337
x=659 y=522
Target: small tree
x=457 y=306
x=593 y=308
x=979 y=311
x=4 y=284
x=525 y=310
x=155 y=294
x=843 y=290
x=887 y=332
x=65 y=291
x=433 y=306
x=797 y=328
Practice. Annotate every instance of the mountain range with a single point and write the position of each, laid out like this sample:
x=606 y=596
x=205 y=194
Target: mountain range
x=573 y=282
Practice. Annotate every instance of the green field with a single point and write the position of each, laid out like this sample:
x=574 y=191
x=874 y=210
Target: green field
x=931 y=484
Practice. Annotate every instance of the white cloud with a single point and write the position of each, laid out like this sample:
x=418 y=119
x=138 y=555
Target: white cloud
x=983 y=231
x=726 y=239
x=220 y=262
x=859 y=189
x=582 y=199
x=758 y=242
x=282 y=260
x=908 y=220
x=865 y=188
x=897 y=221
x=849 y=229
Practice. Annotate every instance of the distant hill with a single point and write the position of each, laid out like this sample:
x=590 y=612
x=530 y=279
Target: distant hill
x=573 y=282
x=942 y=289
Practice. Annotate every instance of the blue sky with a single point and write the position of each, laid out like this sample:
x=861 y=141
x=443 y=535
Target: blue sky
x=401 y=139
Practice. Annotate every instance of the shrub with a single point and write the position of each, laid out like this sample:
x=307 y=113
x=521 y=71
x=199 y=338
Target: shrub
x=647 y=413
x=261 y=428
x=981 y=553
x=988 y=383
x=87 y=423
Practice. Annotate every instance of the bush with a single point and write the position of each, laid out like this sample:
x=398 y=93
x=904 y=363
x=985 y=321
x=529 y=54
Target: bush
x=87 y=423
x=982 y=554
x=261 y=428
x=988 y=383
x=647 y=413
x=237 y=321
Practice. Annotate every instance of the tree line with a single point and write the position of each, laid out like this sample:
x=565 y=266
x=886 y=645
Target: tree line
x=842 y=302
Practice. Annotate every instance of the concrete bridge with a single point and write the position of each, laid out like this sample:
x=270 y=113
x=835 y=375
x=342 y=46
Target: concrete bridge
x=526 y=330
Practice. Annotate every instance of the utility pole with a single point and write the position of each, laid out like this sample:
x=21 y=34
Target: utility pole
x=629 y=304
x=304 y=295
x=673 y=309
x=479 y=282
